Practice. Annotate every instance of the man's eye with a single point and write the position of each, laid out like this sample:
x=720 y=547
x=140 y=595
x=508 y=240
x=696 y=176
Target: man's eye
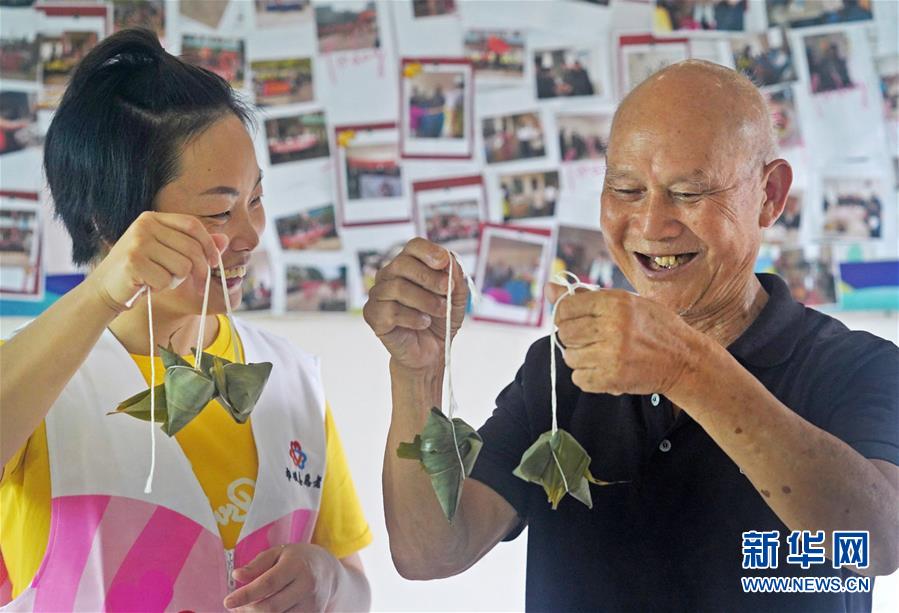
x=626 y=192
x=686 y=195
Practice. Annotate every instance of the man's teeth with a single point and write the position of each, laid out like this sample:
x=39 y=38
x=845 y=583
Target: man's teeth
x=231 y=273
x=669 y=261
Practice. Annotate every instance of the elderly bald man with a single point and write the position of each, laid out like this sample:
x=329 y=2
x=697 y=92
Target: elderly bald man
x=726 y=406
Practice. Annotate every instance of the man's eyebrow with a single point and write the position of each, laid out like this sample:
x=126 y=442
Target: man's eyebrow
x=225 y=190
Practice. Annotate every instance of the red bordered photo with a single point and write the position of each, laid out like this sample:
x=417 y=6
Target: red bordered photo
x=370 y=183
x=21 y=246
x=512 y=268
x=437 y=108
x=450 y=212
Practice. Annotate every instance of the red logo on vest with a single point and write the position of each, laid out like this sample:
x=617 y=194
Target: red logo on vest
x=297 y=454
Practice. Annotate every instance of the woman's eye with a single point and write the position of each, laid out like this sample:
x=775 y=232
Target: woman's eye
x=220 y=216
x=257 y=200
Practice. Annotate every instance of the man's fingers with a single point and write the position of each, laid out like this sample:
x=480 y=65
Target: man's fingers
x=412 y=269
x=384 y=317
x=410 y=295
x=433 y=255
x=580 y=331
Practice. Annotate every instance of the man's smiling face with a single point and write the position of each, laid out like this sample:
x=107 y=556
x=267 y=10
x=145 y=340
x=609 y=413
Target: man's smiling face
x=685 y=188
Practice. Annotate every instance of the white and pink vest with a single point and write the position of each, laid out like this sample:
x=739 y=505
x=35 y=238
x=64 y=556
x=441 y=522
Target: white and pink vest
x=114 y=548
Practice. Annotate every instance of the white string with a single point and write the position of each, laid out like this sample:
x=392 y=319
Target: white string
x=448 y=400
x=202 y=330
x=227 y=299
x=148 y=487
x=562 y=278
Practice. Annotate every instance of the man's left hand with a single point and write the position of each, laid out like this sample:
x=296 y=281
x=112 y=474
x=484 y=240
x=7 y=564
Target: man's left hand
x=296 y=577
x=617 y=342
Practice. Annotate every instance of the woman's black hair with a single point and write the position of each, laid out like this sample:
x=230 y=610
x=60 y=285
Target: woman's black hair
x=116 y=138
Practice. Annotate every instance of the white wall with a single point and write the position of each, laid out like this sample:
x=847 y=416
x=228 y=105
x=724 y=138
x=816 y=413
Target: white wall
x=485 y=359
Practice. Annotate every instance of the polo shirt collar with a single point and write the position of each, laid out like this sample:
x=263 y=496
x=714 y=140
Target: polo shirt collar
x=772 y=337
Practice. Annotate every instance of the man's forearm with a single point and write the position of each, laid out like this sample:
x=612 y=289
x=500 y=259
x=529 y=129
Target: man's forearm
x=809 y=478
x=422 y=541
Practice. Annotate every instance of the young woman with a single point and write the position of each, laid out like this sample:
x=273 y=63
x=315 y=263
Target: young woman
x=153 y=172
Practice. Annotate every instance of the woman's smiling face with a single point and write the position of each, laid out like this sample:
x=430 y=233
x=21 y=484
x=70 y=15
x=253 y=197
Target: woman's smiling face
x=220 y=183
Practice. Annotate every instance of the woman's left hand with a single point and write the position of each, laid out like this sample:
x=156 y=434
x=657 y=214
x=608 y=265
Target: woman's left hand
x=296 y=577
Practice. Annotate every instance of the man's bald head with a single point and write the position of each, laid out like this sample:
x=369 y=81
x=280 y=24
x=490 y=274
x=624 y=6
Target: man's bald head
x=695 y=95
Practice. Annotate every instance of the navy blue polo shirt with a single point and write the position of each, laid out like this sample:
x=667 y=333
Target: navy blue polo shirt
x=671 y=538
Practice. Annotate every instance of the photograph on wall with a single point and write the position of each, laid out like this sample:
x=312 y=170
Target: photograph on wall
x=347 y=25
x=20 y=248
x=583 y=251
x=371 y=260
x=497 y=56
x=852 y=207
x=785 y=230
x=805 y=13
x=642 y=55
x=313 y=228
x=888 y=73
x=528 y=195
x=18 y=121
x=828 y=62
x=369 y=175
x=436 y=117
x=449 y=212
x=782 y=106
x=59 y=54
x=223 y=56
x=20 y=58
x=297 y=138
x=512 y=268
x=583 y=136
x=282 y=13
x=871 y=285
x=316 y=286
x=139 y=14
x=256 y=287
x=203 y=11
x=280 y=82
x=809 y=273
x=433 y=8
x=765 y=58
x=566 y=72
x=509 y=138
x=692 y=15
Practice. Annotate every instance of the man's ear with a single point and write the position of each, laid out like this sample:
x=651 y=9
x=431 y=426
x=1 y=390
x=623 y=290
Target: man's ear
x=778 y=176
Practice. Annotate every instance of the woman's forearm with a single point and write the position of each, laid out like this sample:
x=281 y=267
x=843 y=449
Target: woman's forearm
x=37 y=363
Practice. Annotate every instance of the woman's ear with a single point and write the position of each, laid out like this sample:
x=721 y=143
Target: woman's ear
x=778 y=176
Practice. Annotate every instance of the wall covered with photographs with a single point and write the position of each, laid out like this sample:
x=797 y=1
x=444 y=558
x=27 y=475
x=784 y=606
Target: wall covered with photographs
x=481 y=125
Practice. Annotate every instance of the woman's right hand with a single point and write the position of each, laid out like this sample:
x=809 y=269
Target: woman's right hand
x=158 y=250
x=406 y=307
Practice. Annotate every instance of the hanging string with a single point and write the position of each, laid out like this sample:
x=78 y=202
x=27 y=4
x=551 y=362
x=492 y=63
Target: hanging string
x=448 y=399
x=228 y=310
x=148 y=487
x=563 y=278
x=202 y=331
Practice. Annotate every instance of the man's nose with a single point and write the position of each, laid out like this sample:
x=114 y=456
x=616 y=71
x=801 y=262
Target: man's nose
x=658 y=217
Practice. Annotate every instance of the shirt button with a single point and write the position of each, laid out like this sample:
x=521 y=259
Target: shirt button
x=665 y=445
x=655 y=400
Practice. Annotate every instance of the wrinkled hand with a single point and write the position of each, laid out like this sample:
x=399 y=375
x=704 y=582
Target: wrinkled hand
x=619 y=343
x=158 y=250
x=296 y=577
x=406 y=307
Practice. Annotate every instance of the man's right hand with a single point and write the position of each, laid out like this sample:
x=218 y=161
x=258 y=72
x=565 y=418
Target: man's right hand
x=158 y=250
x=406 y=307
